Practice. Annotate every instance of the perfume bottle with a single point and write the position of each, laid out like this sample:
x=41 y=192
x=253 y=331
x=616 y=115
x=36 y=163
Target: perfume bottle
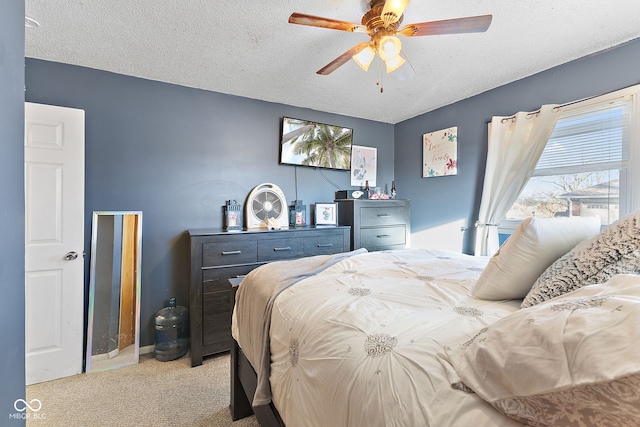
x=393 y=189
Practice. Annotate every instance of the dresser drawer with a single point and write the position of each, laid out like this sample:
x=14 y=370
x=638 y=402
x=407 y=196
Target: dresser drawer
x=383 y=236
x=216 y=302
x=217 y=328
x=382 y=215
x=228 y=253
x=323 y=245
x=217 y=279
x=277 y=249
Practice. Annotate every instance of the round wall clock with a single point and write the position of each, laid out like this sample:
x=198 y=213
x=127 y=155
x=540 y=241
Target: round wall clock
x=266 y=201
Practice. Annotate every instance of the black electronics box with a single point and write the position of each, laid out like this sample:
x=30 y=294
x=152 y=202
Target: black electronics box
x=351 y=194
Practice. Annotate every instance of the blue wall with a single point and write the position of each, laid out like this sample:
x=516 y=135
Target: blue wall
x=177 y=154
x=12 y=211
x=436 y=201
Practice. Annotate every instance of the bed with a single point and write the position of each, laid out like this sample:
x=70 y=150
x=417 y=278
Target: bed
x=546 y=332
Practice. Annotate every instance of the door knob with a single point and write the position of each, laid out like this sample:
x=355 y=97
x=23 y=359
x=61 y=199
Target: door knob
x=70 y=256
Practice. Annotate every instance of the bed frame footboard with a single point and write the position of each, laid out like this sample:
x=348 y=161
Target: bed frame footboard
x=243 y=386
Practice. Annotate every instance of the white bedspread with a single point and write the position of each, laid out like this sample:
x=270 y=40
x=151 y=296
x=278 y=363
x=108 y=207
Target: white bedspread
x=362 y=343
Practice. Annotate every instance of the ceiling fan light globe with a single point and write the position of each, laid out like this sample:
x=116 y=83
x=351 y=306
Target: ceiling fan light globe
x=392 y=11
x=394 y=63
x=364 y=58
x=389 y=47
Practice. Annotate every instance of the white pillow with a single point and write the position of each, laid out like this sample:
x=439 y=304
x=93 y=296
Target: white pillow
x=534 y=245
x=572 y=360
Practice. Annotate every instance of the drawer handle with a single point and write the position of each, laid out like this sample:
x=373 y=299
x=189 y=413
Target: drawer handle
x=282 y=249
x=383 y=215
x=325 y=245
x=231 y=252
x=383 y=236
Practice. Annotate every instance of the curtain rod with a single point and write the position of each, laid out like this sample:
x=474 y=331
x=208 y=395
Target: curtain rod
x=555 y=109
x=566 y=104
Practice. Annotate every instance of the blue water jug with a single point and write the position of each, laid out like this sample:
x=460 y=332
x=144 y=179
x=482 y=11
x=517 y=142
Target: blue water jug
x=172 y=332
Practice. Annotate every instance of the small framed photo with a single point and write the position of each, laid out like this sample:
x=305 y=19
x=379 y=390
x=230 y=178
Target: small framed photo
x=326 y=214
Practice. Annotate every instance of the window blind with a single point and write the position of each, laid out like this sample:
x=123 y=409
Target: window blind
x=592 y=137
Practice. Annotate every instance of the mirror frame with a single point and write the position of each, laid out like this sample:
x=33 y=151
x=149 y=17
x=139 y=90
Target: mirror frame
x=107 y=361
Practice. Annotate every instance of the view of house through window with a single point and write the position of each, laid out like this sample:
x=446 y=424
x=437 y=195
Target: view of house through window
x=585 y=167
x=580 y=194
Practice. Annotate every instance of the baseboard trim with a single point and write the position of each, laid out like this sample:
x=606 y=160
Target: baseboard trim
x=147 y=349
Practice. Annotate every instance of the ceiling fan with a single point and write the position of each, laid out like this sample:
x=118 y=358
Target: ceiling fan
x=381 y=23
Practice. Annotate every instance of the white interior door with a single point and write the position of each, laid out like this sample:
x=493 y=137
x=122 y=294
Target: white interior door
x=54 y=241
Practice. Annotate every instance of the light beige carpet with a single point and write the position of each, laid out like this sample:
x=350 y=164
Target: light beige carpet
x=151 y=393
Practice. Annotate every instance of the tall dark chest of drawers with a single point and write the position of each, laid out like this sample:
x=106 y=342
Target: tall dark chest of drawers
x=376 y=224
x=217 y=256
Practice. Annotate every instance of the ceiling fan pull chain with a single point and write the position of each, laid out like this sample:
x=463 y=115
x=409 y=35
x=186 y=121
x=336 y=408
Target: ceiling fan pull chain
x=380 y=75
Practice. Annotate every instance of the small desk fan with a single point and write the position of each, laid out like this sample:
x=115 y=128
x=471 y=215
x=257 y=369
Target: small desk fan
x=266 y=201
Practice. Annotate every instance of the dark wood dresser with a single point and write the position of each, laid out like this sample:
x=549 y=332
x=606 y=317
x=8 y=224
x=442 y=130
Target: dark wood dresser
x=217 y=255
x=376 y=224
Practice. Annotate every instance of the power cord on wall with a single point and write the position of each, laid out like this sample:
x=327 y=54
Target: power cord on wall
x=296 y=176
x=321 y=173
x=328 y=180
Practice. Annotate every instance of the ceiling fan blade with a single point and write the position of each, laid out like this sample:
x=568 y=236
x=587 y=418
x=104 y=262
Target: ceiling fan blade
x=333 y=24
x=341 y=60
x=471 y=24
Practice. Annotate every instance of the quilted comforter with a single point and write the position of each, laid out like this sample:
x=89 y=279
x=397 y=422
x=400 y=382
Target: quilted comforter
x=361 y=340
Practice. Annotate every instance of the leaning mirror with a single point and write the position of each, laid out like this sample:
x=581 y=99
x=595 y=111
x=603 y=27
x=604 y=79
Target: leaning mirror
x=114 y=290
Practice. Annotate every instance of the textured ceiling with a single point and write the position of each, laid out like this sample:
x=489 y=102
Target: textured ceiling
x=249 y=49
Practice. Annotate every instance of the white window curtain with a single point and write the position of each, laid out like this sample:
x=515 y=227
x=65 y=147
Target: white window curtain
x=515 y=145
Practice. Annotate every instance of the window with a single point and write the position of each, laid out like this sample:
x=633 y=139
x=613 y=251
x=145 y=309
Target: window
x=586 y=168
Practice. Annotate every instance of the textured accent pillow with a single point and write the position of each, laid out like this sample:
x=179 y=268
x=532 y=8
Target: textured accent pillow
x=616 y=250
x=569 y=361
x=534 y=245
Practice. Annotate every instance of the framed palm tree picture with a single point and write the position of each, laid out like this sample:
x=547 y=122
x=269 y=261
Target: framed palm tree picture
x=318 y=145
